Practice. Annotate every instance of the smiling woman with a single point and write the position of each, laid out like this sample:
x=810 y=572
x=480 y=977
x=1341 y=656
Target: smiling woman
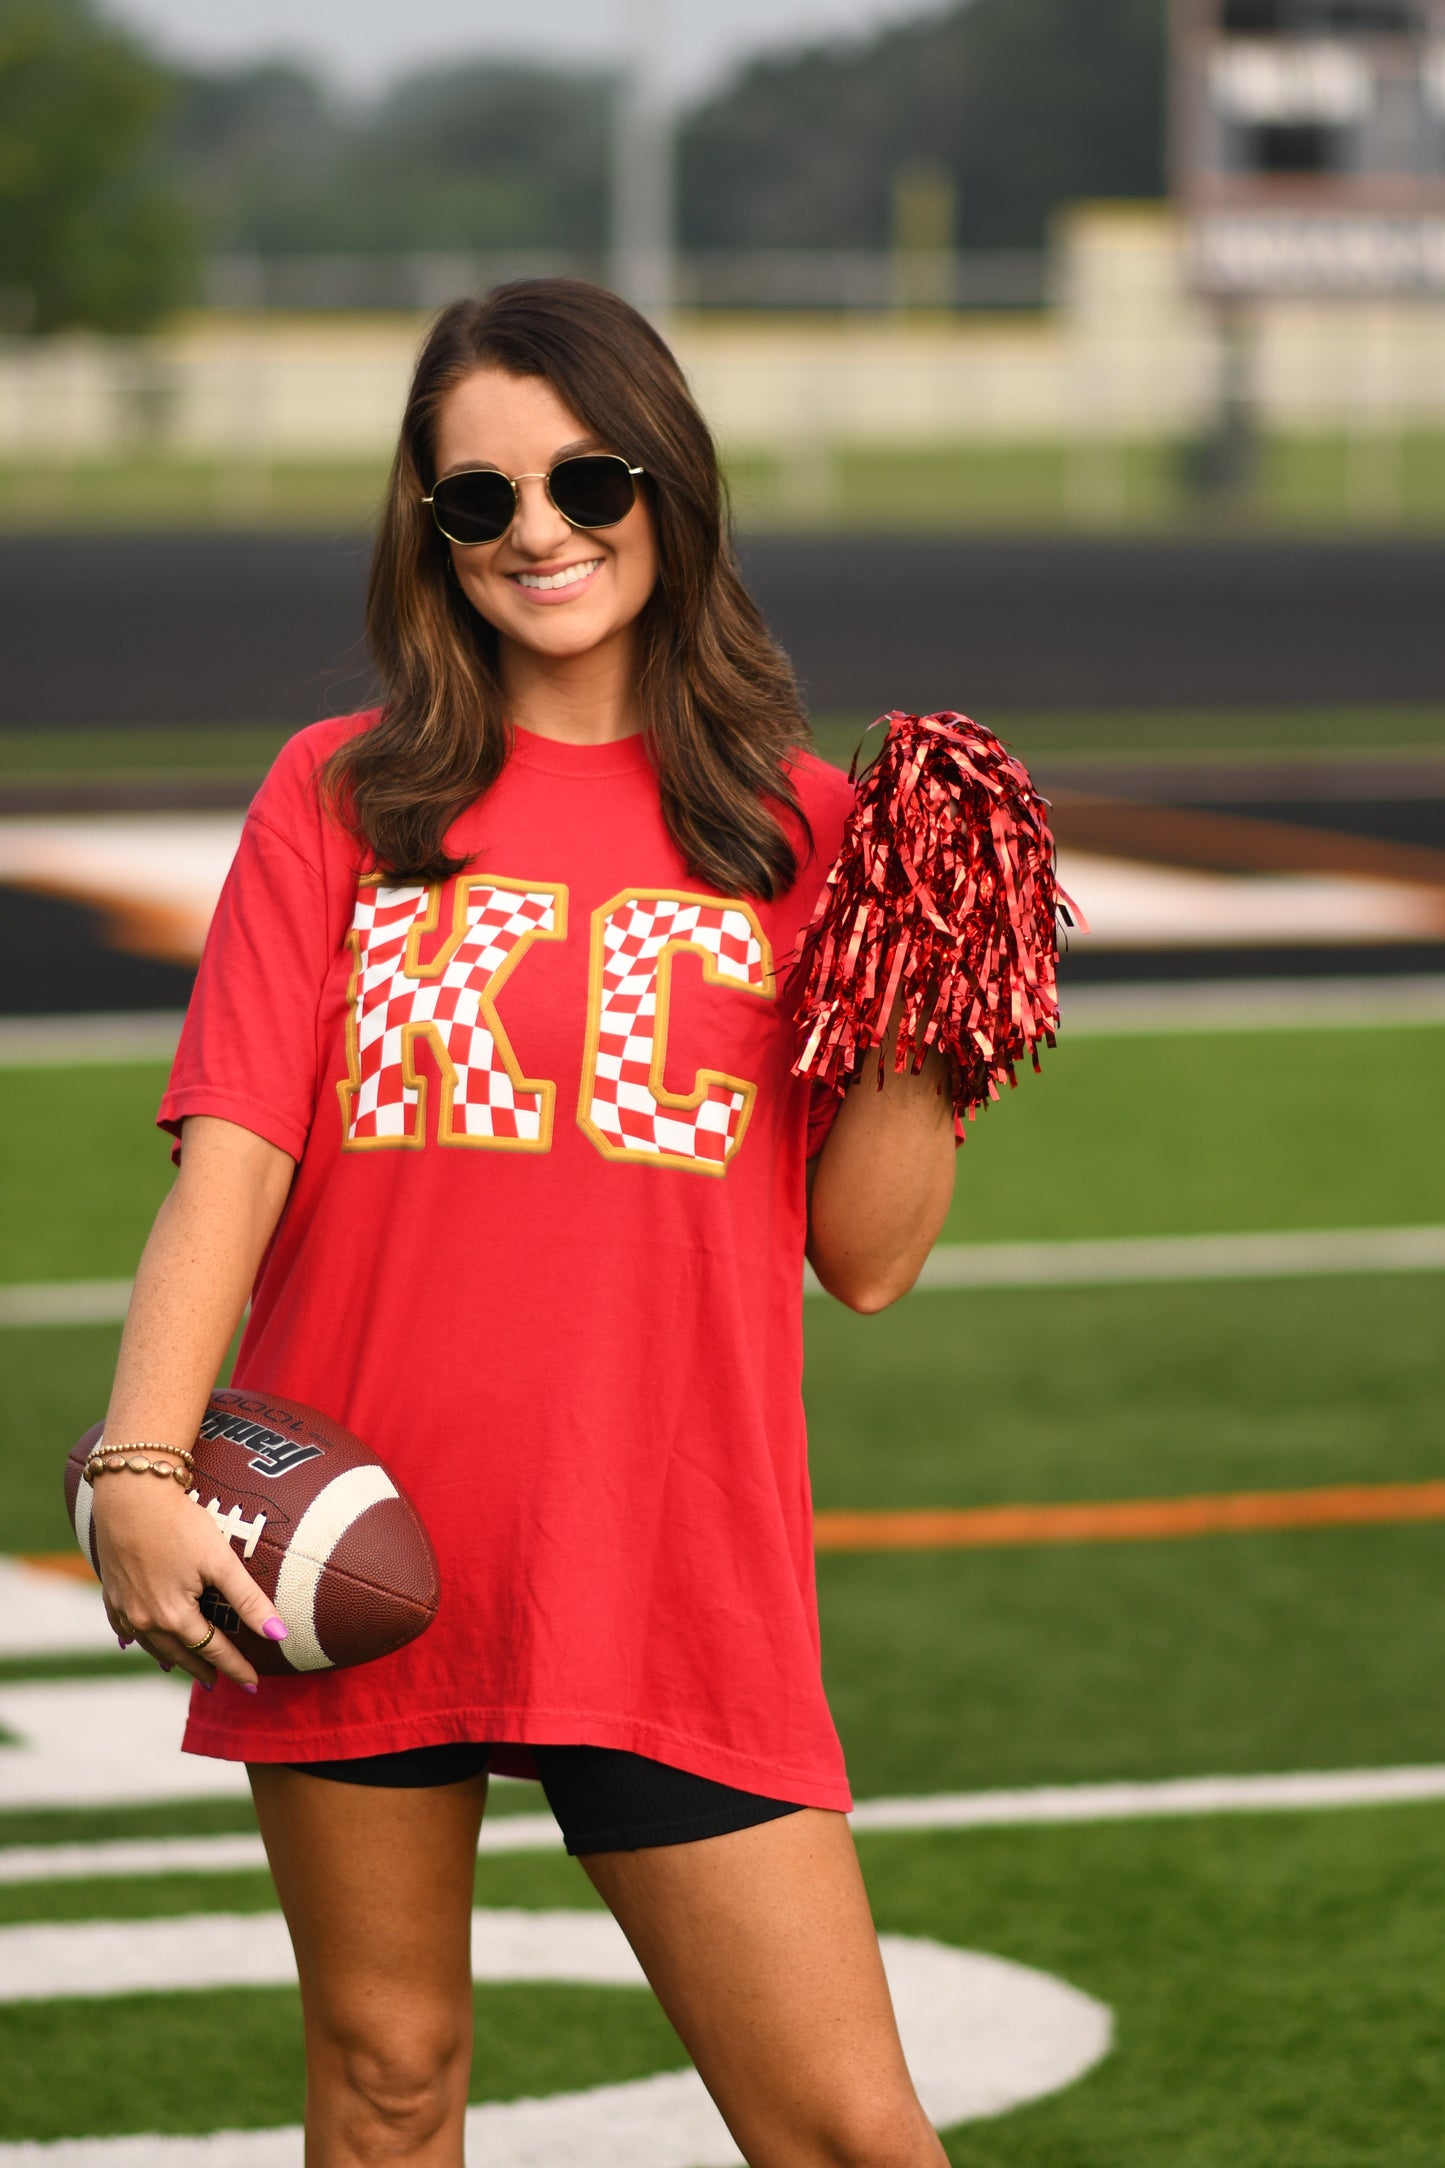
x=488 y=1098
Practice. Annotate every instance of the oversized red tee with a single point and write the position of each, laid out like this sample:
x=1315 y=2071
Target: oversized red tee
x=543 y=1252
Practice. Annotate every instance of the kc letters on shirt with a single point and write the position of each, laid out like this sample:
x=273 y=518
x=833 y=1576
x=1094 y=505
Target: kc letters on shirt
x=415 y=980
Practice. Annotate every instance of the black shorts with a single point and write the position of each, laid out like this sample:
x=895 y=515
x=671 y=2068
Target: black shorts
x=604 y=1800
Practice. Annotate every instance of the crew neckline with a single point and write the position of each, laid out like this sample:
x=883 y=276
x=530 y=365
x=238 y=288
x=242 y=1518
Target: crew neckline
x=559 y=756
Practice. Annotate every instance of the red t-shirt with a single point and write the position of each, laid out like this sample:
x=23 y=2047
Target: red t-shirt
x=543 y=1252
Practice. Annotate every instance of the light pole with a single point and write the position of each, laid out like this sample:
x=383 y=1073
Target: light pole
x=642 y=171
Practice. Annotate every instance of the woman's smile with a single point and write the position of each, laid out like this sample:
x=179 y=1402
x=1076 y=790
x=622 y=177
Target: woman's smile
x=557 y=584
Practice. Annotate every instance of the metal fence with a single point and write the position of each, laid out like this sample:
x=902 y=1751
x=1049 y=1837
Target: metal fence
x=870 y=280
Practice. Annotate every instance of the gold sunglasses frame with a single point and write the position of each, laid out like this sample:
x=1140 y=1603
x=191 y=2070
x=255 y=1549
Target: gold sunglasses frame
x=545 y=478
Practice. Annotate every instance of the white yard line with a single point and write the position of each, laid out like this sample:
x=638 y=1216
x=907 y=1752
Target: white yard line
x=64 y=1042
x=128 y=1856
x=1295 y=1791
x=1053 y=1803
x=139 y=1856
x=65 y=1302
x=1145 y=1259
x=1132 y=1259
x=1267 y=1005
x=72 y=1742
x=1148 y=1258
x=49 y=1614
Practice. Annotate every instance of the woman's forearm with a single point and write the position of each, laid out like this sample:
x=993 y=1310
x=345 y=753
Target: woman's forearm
x=158 y=1550
x=880 y=1189
x=194 y=1279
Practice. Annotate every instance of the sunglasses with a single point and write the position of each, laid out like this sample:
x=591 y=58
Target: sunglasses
x=595 y=489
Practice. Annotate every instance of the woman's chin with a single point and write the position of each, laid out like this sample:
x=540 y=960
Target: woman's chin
x=557 y=633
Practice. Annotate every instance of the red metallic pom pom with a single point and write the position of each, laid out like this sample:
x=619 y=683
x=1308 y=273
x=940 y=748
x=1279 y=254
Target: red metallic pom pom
x=944 y=900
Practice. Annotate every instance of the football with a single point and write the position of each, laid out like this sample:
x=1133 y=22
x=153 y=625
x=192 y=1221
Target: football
x=318 y=1523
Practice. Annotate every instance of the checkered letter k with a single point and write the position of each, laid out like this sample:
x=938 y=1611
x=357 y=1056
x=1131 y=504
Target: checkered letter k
x=450 y=1001
x=625 y=1107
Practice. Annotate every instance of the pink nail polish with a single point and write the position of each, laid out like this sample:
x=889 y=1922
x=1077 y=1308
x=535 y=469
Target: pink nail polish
x=120 y=1644
x=246 y=1686
x=275 y=1629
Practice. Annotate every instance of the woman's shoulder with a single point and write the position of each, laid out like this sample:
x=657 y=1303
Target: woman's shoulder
x=290 y=798
x=817 y=782
x=825 y=798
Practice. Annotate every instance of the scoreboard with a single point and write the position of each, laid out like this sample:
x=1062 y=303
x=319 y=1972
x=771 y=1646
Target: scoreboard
x=1308 y=145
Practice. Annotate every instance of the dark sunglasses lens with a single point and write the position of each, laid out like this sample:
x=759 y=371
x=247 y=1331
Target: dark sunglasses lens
x=473 y=507
x=593 y=491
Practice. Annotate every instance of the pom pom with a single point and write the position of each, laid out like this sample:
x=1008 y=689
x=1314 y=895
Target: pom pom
x=944 y=900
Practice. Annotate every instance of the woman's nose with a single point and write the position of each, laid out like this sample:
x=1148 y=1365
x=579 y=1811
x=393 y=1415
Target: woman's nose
x=538 y=528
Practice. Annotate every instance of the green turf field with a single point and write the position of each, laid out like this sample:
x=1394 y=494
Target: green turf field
x=1275 y=1978
x=1303 y=484
x=241 y=752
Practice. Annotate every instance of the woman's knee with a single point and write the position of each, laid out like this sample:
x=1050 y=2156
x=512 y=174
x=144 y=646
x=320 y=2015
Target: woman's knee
x=398 y=2087
x=883 y=2129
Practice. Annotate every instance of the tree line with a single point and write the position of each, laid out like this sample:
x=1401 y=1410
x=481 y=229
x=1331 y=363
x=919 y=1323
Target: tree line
x=120 y=174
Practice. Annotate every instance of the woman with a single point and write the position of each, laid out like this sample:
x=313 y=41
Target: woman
x=485 y=1100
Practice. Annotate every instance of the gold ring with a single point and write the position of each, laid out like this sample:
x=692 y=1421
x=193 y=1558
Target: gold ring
x=193 y=1648
x=125 y=1625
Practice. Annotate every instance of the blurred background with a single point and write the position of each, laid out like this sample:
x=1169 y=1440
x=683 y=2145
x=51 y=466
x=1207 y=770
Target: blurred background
x=1081 y=366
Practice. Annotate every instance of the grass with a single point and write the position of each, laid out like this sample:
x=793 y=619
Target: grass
x=211 y=749
x=1199 y=737
x=970 y=1670
x=76 y=1201
x=1216 y=1133
x=1126 y=1392
x=103 y=1824
x=1275 y=1981
x=1302 y=485
x=1325 y=483
x=161 y=490
x=1130 y=1391
x=239 y=754
x=1149 y=1135
x=1275 y=1978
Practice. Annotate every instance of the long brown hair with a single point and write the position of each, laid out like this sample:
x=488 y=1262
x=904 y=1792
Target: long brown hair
x=721 y=707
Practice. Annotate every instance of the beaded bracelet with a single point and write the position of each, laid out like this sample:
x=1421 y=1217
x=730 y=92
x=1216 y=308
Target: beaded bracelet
x=142 y=1445
x=113 y=1465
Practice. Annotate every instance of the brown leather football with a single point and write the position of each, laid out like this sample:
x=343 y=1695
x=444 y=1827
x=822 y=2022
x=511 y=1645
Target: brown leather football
x=319 y=1524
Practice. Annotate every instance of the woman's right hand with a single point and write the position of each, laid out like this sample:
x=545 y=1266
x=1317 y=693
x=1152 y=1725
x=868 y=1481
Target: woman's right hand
x=158 y=1550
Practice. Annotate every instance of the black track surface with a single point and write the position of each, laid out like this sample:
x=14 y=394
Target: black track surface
x=60 y=962
x=206 y=628
x=251 y=629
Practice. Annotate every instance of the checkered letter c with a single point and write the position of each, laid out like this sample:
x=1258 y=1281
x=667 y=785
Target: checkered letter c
x=625 y=1107
x=450 y=1001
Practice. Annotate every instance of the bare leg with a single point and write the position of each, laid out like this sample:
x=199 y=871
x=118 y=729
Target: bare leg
x=762 y=1951
x=376 y=1886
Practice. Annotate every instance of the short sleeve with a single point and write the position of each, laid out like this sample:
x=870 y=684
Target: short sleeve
x=249 y=1050
x=827 y=798
x=823 y=1105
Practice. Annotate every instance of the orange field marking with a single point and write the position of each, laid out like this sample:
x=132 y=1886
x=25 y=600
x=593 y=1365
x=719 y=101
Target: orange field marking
x=1118 y=1520
x=68 y=1564
x=1131 y=1520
